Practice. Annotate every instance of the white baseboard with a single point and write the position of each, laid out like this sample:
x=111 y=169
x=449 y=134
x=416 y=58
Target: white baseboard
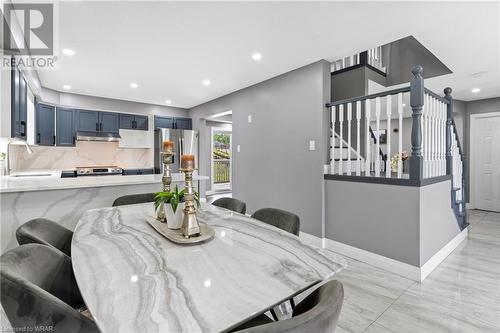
x=397 y=267
x=438 y=258
x=388 y=264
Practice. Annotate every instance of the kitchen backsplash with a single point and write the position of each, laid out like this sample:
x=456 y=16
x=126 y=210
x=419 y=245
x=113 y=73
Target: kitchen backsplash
x=84 y=154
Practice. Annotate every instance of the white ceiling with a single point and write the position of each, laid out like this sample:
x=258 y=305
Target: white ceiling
x=170 y=48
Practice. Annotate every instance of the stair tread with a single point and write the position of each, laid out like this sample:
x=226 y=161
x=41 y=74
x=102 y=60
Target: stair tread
x=458 y=202
x=456 y=188
x=345 y=159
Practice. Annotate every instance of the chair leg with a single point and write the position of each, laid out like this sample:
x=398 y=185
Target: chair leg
x=275 y=317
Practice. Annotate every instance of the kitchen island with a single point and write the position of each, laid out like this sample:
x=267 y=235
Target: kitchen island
x=64 y=200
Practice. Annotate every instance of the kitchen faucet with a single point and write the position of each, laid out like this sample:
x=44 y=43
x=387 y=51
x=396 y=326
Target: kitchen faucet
x=16 y=143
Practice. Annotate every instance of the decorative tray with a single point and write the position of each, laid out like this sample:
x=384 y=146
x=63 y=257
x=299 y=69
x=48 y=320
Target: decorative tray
x=175 y=235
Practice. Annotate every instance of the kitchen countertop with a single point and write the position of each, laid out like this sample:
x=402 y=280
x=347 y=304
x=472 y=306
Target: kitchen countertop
x=53 y=181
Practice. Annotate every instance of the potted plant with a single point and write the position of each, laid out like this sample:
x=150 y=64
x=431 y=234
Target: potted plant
x=172 y=203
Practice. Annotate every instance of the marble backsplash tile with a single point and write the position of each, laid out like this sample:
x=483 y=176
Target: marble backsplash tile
x=84 y=154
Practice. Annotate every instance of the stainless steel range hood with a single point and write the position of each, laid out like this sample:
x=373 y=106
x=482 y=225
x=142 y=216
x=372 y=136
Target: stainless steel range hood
x=97 y=136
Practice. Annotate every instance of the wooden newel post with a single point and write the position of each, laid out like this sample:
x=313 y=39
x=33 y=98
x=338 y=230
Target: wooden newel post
x=417 y=103
x=449 y=118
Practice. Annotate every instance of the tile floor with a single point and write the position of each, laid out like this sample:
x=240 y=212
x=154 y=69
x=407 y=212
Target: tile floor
x=461 y=295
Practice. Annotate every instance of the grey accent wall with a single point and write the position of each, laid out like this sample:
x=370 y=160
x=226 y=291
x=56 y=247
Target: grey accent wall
x=408 y=224
x=109 y=104
x=275 y=167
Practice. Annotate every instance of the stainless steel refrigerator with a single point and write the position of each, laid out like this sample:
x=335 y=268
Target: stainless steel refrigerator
x=185 y=142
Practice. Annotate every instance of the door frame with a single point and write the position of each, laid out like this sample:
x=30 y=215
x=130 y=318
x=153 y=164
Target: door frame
x=472 y=151
x=212 y=131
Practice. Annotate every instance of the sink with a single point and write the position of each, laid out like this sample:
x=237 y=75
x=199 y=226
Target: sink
x=32 y=175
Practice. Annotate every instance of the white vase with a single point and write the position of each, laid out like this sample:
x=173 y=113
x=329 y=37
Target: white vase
x=174 y=221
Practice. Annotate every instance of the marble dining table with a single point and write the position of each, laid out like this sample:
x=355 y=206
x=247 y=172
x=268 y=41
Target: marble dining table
x=132 y=279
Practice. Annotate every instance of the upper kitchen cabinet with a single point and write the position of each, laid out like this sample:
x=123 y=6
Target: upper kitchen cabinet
x=95 y=121
x=130 y=121
x=87 y=121
x=19 y=105
x=45 y=123
x=109 y=122
x=164 y=122
x=65 y=130
x=183 y=123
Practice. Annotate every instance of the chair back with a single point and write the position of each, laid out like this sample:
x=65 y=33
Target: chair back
x=47 y=232
x=279 y=218
x=134 y=199
x=233 y=204
x=38 y=289
x=319 y=312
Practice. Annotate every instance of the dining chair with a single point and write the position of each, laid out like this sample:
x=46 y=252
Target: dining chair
x=47 y=232
x=318 y=312
x=134 y=199
x=233 y=204
x=279 y=218
x=39 y=291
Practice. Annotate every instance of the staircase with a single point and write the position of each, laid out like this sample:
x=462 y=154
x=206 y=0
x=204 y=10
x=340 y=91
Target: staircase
x=458 y=195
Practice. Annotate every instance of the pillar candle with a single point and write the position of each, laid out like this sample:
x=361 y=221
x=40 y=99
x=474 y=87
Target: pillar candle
x=187 y=161
x=168 y=146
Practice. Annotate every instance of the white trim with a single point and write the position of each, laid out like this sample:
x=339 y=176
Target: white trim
x=472 y=146
x=388 y=264
x=394 y=266
x=441 y=255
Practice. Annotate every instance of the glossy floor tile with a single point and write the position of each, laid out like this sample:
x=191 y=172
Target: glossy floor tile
x=461 y=295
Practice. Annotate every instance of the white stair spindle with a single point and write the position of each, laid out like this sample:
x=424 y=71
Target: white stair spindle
x=443 y=134
x=332 y=155
x=425 y=136
x=341 y=140
x=368 y=137
x=377 y=136
x=349 y=146
x=388 y=108
x=432 y=137
x=358 y=130
x=400 y=135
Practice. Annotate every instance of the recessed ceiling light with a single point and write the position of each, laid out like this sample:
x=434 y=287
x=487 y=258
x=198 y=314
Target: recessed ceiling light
x=256 y=56
x=134 y=85
x=68 y=52
x=66 y=87
x=475 y=90
x=206 y=82
x=168 y=101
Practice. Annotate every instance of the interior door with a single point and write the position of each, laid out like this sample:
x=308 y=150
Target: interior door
x=487 y=163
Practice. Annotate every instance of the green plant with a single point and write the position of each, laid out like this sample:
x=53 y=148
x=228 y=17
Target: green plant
x=174 y=197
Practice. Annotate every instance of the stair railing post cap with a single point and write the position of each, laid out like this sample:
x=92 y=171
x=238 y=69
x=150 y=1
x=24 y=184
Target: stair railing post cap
x=447 y=91
x=417 y=70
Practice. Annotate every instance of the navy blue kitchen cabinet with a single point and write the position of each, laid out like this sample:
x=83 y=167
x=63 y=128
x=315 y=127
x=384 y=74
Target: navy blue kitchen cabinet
x=95 y=121
x=164 y=122
x=109 y=122
x=19 y=106
x=183 y=123
x=65 y=129
x=87 y=121
x=130 y=121
x=45 y=124
x=141 y=122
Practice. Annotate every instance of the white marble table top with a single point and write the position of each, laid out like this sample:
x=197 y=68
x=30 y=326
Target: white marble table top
x=55 y=182
x=134 y=280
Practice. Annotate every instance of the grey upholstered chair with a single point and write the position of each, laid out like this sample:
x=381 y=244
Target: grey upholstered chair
x=134 y=199
x=38 y=289
x=47 y=232
x=235 y=205
x=279 y=218
x=318 y=312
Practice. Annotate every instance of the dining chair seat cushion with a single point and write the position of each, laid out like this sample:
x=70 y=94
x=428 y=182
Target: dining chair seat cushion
x=318 y=312
x=279 y=218
x=233 y=204
x=39 y=290
x=134 y=199
x=47 y=232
